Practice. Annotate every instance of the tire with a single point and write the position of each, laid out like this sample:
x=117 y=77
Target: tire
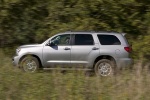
x=104 y=67
x=29 y=64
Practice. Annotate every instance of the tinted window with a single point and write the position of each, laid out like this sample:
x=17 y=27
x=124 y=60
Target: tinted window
x=61 y=39
x=83 y=39
x=108 y=40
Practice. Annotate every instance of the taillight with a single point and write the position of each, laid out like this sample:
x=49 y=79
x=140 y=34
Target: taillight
x=128 y=49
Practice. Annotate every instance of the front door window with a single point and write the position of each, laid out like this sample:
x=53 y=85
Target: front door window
x=61 y=39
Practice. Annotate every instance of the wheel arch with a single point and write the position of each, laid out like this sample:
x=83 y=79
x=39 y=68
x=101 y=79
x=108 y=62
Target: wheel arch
x=104 y=57
x=33 y=55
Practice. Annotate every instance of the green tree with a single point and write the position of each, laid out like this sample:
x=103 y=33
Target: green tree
x=26 y=21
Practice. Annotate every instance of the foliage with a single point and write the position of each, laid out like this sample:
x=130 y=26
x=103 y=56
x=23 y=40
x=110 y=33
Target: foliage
x=72 y=85
x=26 y=21
x=33 y=21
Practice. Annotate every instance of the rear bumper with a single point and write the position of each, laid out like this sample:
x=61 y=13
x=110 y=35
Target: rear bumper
x=125 y=62
x=15 y=60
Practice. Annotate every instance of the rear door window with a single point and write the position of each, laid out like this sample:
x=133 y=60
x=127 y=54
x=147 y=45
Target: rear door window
x=108 y=40
x=84 y=39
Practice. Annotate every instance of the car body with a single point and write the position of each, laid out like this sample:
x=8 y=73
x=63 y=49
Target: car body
x=78 y=50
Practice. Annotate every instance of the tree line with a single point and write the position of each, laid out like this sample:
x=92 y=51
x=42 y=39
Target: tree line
x=33 y=21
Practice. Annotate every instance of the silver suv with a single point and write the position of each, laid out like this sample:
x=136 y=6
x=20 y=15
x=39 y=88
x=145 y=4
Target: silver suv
x=102 y=52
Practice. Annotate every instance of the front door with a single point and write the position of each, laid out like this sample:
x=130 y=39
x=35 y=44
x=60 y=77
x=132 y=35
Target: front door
x=58 y=53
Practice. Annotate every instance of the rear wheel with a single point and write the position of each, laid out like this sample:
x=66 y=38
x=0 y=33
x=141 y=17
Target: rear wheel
x=104 y=67
x=29 y=64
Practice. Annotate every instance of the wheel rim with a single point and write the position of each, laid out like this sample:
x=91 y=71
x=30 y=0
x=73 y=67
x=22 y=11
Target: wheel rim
x=29 y=65
x=104 y=69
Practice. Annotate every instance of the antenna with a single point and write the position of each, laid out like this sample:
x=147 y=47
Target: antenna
x=123 y=34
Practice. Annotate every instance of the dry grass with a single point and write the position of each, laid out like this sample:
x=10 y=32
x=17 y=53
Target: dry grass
x=74 y=85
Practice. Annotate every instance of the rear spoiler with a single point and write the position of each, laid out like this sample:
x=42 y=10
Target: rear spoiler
x=123 y=34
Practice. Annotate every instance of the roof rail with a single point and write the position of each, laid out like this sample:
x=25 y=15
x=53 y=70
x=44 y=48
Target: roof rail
x=95 y=31
x=80 y=31
x=108 y=31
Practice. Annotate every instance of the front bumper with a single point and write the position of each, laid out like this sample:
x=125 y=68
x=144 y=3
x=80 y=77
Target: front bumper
x=15 y=60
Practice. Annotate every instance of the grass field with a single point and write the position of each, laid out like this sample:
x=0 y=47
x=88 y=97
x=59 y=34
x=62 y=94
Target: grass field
x=73 y=85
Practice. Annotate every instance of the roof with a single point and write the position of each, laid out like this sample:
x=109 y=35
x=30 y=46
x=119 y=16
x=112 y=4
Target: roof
x=110 y=32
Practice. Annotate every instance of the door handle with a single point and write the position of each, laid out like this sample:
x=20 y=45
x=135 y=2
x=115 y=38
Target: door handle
x=66 y=48
x=95 y=48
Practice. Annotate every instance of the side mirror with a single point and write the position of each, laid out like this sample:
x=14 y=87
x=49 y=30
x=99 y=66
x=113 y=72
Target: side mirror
x=50 y=43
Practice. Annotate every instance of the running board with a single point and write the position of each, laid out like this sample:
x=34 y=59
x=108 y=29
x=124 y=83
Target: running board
x=66 y=69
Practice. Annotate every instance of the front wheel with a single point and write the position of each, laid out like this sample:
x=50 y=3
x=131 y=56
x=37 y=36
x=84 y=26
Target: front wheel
x=104 y=67
x=29 y=64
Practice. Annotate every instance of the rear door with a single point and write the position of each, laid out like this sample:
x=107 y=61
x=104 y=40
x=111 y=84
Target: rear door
x=84 y=50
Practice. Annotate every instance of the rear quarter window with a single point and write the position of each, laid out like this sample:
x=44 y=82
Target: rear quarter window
x=108 y=40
